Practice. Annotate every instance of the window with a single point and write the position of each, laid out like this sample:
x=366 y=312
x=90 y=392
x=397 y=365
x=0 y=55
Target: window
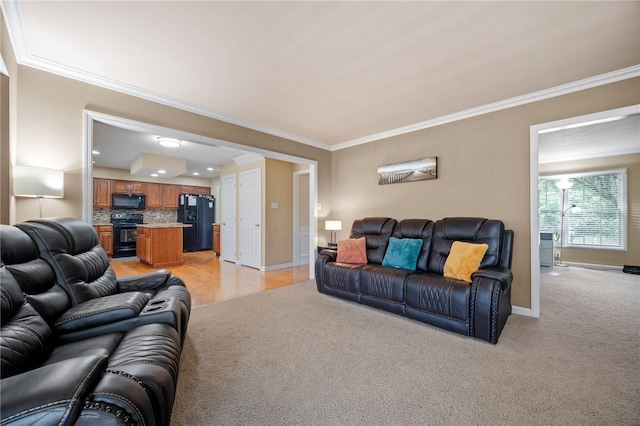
x=599 y=218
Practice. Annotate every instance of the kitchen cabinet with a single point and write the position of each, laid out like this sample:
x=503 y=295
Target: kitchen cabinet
x=216 y=239
x=154 y=195
x=160 y=245
x=170 y=194
x=105 y=236
x=128 y=187
x=101 y=192
x=158 y=195
x=203 y=190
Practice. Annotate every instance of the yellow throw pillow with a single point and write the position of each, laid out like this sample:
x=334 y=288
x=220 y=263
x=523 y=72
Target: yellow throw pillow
x=463 y=260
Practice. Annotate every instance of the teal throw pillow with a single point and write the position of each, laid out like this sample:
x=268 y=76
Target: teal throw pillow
x=402 y=253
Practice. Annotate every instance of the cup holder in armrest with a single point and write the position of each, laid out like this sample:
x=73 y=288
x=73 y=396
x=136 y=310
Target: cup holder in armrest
x=155 y=305
x=161 y=306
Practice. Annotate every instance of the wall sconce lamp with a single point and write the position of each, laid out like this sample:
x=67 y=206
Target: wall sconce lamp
x=37 y=182
x=333 y=226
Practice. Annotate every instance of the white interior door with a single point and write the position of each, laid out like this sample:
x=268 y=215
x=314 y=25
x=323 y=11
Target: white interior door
x=251 y=218
x=301 y=220
x=228 y=220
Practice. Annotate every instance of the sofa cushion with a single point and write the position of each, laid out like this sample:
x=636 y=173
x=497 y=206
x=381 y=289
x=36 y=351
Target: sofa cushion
x=470 y=230
x=353 y=250
x=417 y=228
x=402 y=253
x=463 y=260
x=377 y=231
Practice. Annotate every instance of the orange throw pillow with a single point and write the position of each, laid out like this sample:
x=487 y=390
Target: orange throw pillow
x=353 y=250
x=463 y=260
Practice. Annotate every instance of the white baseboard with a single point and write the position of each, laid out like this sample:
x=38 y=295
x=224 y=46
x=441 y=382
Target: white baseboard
x=518 y=310
x=276 y=267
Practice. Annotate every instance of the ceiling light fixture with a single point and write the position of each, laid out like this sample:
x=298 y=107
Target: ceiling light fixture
x=162 y=171
x=95 y=152
x=210 y=169
x=196 y=173
x=169 y=142
x=154 y=175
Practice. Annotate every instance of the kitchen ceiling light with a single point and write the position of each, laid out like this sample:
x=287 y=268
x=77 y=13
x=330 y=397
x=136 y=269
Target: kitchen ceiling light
x=196 y=173
x=169 y=142
x=162 y=172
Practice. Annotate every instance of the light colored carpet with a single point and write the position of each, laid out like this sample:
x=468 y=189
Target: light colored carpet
x=294 y=356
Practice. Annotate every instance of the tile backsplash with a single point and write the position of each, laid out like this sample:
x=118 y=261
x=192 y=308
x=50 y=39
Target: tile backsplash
x=102 y=216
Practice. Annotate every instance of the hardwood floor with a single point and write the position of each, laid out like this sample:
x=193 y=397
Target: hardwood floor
x=210 y=280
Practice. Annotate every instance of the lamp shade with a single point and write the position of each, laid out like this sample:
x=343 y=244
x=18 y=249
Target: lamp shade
x=333 y=225
x=564 y=184
x=37 y=182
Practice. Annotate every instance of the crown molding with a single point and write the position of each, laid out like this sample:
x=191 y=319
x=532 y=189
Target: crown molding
x=15 y=27
x=13 y=19
x=587 y=83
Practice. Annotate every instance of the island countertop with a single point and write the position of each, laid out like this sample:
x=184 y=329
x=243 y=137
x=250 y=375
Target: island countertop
x=164 y=225
x=159 y=245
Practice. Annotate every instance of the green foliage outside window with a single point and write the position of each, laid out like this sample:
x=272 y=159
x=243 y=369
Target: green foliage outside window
x=600 y=220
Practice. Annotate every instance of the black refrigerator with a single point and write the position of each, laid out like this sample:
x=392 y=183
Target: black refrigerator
x=196 y=210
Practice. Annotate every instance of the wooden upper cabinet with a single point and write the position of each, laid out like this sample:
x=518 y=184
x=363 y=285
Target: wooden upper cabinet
x=102 y=192
x=154 y=195
x=128 y=187
x=158 y=195
x=204 y=190
x=170 y=194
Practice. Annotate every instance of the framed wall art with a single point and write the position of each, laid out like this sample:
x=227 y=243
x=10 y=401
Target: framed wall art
x=408 y=171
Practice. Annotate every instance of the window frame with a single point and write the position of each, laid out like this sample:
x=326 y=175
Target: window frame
x=622 y=209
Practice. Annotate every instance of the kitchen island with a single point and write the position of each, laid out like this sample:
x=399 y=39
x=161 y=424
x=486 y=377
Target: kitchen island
x=159 y=245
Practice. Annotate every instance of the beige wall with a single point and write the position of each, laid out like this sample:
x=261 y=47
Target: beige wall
x=277 y=187
x=50 y=133
x=607 y=257
x=278 y=225
x=483 y=170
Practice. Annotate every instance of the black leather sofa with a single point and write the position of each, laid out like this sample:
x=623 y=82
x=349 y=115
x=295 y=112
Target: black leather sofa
x=78 y=345
x=478 y=309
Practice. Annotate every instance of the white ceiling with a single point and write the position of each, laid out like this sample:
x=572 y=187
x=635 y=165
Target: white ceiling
x=619 y=137
x=118 y=147
x=327 y=73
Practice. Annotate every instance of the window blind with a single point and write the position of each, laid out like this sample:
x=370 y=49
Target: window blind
x=600 y=216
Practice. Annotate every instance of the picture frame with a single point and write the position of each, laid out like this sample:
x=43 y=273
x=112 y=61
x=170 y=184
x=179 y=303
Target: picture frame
x=408 y=171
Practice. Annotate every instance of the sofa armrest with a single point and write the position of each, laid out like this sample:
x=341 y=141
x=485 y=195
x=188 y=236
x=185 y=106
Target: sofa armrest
x=332 y=254
x=142 y=282
x=503 y=275
x=52 y=394
x=100 y=311
x=490 y=302
x=118 y=399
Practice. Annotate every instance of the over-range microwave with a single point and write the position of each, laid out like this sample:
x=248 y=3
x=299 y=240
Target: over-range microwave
x=128 y=201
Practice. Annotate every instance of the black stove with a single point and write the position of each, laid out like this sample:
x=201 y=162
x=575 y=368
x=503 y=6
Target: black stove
x=124 y=233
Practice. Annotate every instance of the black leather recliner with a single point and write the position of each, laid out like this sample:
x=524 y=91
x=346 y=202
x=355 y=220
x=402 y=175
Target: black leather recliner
x=478 y=309
x=77 y=344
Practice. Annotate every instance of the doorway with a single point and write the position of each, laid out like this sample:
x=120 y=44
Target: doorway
x=533 y=189
x=301 y=209
x=228 y=219
x=251 y=218
x=92 y=117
